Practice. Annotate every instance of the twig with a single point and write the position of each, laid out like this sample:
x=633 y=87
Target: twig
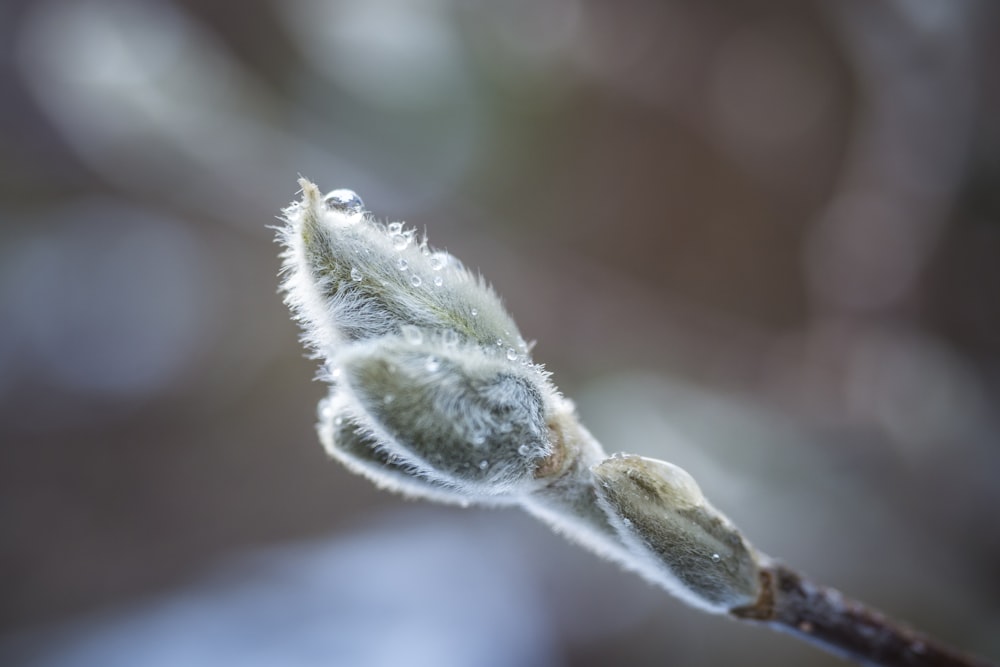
x=823 y=616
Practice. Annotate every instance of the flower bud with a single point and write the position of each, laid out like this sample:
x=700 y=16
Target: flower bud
x=349 y=278
x=689 y=547
x=453 y=413
x=362 y=453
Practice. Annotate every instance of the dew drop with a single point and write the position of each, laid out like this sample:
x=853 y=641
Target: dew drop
x=499 y=342
x=505 y=427
x=388 y=398
x=400 y=241
x=716 y=558
x=337 y=421
x=412 y=334
x=524 y=450
x=325 y=410
x=438 y=261
x=627 y=522
x=335 y=373
x=402 y=264
x=438 y=281
x=356 y=275
x=511 y=354
x=484 y=464
x=415 y=280
x=344 y=201
x=395 y=228
x=478 y=439
x=433 y=364
x=475 y=312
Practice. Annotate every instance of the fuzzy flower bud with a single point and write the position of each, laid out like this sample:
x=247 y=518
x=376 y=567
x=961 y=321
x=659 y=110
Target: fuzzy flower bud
x=433 y=391
x=433 y=394
x=689 y=547
x=363 y=453
x=468 y=420
x=349 y=278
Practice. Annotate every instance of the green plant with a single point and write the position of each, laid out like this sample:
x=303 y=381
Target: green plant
x=433 y=393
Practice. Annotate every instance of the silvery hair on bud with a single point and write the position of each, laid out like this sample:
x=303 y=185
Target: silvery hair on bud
x=433 y=394
x=433 y=391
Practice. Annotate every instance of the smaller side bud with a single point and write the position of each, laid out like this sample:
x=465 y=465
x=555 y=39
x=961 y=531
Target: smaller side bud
x=691 y=548
x=468 y=420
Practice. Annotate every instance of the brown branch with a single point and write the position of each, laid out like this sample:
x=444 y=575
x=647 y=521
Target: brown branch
x=823 y=616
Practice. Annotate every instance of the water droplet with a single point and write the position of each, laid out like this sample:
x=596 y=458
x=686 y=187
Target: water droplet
x=402 y=264
x=433 y=364
x=524 y=450
x=335 y=373
x=475 y=312
x=438 y=261
x=415 y=280
x=337 y=421
x=438 y=281
x=505 y=427
x=388 y=398
x=484 y=464
x=511 y=354
x=395 y=228
x=325 y=409
x=716 y=558
x=356 y=275
x=344 y=201
x=627 y=522
x=617 y=455
x=499 y=342
x=478 y=439
x=450 y=337
x=400 y=241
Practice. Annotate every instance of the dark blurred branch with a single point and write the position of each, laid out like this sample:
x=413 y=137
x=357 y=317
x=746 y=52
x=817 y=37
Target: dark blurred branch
x=824 y=617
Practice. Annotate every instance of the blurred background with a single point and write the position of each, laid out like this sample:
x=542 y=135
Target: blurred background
x=758 y=239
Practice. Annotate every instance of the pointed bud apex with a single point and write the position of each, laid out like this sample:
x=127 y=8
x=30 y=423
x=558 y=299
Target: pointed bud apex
x=690 y=547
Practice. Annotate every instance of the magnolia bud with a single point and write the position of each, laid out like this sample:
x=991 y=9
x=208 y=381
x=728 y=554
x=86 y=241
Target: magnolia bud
x=361 y=452
x=349 y=278
x=434 y=393
x=455 y=414
x=689 y=547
